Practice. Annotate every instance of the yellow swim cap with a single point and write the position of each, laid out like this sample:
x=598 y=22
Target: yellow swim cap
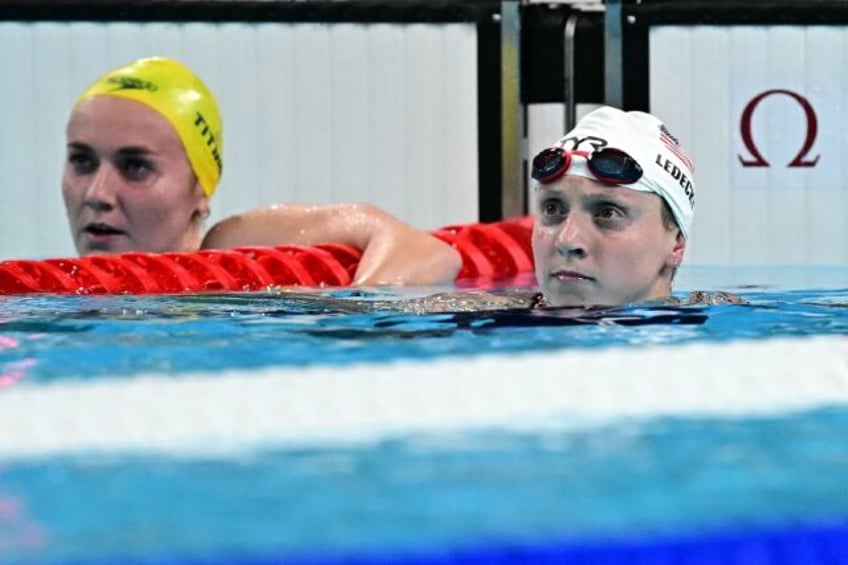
x=175 y=92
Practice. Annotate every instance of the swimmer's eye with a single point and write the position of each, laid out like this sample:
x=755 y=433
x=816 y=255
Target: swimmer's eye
x=82 y=162
x=551 y=210
x=136 y=168
x=607 y=213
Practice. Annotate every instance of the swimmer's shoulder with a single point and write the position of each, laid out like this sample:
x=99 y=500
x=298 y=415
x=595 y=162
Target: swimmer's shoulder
x=364 y=301
x=709 y=298
x=474 y=301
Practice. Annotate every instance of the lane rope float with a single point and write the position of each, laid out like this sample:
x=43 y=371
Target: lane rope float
x=497 y=250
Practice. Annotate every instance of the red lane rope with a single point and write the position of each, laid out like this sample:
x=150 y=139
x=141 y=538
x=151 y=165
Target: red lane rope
x=492 y=251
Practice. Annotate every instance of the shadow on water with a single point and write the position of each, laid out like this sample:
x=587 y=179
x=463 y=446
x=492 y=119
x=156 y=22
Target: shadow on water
x=394 y=326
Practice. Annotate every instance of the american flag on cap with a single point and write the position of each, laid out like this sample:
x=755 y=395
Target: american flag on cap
x=674 y=146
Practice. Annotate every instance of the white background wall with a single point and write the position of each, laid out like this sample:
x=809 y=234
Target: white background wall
x=312 y=113
x=701 y=80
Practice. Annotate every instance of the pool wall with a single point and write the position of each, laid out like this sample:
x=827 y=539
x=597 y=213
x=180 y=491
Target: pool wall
x=432 y=109
x=318 y=105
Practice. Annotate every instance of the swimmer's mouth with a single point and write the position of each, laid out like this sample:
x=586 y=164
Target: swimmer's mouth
x=570 y=276
x=101 y=229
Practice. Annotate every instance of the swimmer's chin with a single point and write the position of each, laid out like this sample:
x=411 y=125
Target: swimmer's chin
x=100 y=247
x=97 y=250
x=554 y=300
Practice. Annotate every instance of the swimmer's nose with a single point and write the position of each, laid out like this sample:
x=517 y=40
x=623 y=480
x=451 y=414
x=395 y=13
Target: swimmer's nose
x=102 y=192
x=570 y=240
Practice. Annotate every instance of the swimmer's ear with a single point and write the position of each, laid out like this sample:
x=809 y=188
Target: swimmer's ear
x=675 y=257
x=202 y=209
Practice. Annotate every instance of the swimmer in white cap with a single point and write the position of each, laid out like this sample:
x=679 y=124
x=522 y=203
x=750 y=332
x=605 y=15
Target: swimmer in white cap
x=613 y=205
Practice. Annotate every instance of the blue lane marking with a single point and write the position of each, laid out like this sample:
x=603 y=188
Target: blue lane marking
x=799 y=544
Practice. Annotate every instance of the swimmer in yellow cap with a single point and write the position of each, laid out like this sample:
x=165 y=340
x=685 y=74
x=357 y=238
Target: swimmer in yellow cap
x=145 y=154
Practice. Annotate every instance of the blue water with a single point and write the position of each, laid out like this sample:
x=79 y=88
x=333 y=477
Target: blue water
x=649 y=479
x=88 y=337
x=682 y=478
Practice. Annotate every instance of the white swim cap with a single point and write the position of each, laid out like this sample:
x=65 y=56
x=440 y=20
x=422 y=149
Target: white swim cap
x=667 y=169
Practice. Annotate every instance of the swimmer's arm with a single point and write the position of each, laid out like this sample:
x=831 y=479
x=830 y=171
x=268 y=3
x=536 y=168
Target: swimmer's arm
x=393 y=251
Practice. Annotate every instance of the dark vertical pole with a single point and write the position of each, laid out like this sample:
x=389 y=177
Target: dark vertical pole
x=512 y=116
x=635 y=60
x=569 y=91
x=613 y=82
x=489 y=101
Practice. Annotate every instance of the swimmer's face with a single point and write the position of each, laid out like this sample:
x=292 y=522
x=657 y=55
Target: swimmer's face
x=595 y=244
x=127 y=183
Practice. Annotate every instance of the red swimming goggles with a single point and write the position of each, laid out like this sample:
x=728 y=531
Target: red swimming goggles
x=610 y=166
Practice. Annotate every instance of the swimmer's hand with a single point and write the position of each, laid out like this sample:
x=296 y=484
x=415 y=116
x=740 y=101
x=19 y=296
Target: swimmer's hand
x=393 y=252
x=716 y=297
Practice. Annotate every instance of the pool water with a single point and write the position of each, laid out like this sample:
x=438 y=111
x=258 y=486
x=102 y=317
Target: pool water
x=62 y=337
x=464 y=493
x=652 y=479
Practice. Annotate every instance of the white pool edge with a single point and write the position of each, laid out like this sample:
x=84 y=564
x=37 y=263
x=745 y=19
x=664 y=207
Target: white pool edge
x=296 y=407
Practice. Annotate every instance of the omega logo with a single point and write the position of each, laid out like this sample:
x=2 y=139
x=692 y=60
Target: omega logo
x=800 y=159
